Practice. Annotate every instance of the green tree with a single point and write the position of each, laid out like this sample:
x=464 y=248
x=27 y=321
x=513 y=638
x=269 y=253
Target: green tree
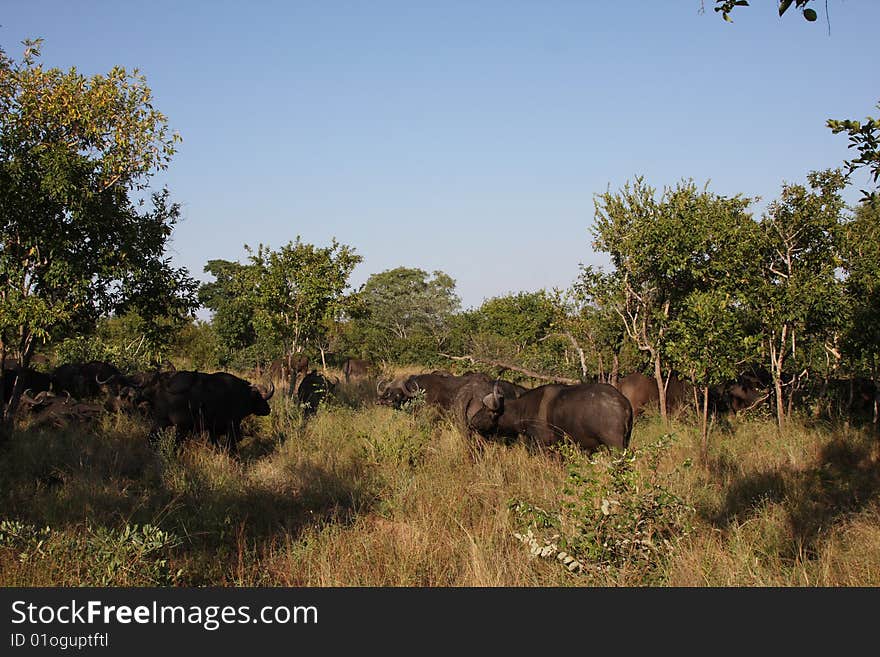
x=864 y=137
x=861 y=262
x=593 y=321
x=525 y=329
x=228 y=297
x=660 y=255
x=297 y=290
x=799 y=298
x=405 y=314
x=81 y=235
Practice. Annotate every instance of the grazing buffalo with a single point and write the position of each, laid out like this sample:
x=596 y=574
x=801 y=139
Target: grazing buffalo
x=742 y=394
x=439 y=390
x=591 y=414
x=83 y=379
x=313 y=390
x=642 y=393
x=30 y=379
x=199 y=402
x=356 y=368
x=47 y=408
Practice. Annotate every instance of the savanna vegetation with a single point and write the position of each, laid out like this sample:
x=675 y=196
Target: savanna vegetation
x=785 y=493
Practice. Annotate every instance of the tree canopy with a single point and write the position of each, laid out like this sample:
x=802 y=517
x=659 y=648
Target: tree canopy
x=81 y=234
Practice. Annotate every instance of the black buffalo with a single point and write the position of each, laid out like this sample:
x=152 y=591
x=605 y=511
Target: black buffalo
x=194 y=402
x=84 y=379
x=47 y=408
x=30 y=378
x=313 y=390
x=591 y=414
x=745 y=392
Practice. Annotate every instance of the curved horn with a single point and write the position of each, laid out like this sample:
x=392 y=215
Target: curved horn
x=411 y=387
x=267 y=395
x=495 y=399
x=381 y=387
x=105 y=381
x=26 y=397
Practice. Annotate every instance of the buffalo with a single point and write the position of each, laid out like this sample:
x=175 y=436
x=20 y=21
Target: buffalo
x=590 y=414
x=356 y=368
x=194 y=402
x=642 y=393
x=739 y=395
x=83 y=379
x=31 y=379
x=312 y=390
x=439 y=389
x=281 y=368
x=47 y=408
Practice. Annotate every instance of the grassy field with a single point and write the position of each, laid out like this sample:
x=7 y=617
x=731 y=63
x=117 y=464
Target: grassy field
x=365 y=495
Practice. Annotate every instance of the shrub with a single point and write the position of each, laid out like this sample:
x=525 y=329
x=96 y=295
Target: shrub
x=617 y=516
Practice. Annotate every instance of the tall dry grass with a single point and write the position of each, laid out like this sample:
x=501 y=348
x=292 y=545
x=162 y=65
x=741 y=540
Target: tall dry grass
x=362 y=495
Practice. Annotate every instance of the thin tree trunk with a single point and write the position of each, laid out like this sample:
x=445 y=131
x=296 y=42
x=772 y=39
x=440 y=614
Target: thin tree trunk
x=776 y=361
x=704 y=421
x=876 y=380
x=25 y=352
x=615 y=371
x=661 y=389
x=580 y=353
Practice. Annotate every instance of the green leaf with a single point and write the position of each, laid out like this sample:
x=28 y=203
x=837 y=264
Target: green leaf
x=810 y=14
x=783 y=6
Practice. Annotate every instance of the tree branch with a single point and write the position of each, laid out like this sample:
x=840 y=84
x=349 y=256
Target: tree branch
x=515 y=368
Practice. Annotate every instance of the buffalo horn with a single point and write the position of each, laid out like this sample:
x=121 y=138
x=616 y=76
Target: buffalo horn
x=493 y=400
x=266 y=393
x=381 y=387
x=105 y=381
x=410 y=387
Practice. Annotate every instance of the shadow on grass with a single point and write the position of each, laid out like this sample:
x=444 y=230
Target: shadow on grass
x=843 y=479
x=74 y=478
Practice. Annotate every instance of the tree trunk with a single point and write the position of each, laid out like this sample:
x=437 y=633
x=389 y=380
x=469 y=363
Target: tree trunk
x=615 y=371
x=580 y=353
x=323 y=360
x=876 y=380
x=704 y=424
x=661 y=389
x=780 y=402
x=822 y=402
x=24 y=360
x=776 y=361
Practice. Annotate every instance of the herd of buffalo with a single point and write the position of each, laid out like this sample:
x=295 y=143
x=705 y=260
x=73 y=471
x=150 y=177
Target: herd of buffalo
x=590 y=414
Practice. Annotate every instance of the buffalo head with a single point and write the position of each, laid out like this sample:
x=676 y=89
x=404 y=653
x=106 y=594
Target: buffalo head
x=260 y=396
x=396 y=393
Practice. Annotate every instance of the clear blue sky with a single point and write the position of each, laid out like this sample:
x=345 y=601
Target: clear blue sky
x=465 y=136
